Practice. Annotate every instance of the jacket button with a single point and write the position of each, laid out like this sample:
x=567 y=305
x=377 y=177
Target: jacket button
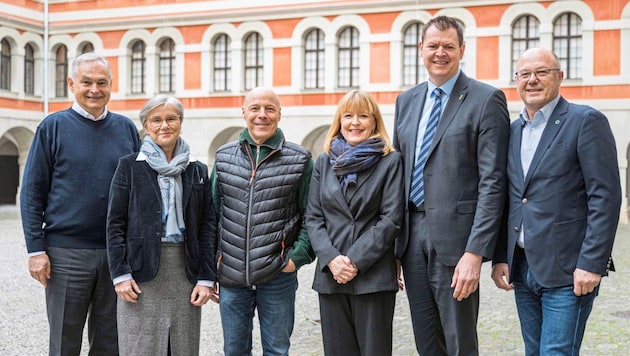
x=524 y=200
x=516 y=229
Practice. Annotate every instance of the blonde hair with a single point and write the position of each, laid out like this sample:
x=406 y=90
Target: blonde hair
x=360 y=102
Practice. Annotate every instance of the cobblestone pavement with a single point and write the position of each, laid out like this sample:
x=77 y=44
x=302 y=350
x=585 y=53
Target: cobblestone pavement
x=24 y=330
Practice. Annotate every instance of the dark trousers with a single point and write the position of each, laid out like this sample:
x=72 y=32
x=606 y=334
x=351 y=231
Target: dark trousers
x=80 y=288
x=441 y=324
x=357 y=324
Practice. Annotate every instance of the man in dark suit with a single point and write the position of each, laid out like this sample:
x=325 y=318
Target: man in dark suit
x=564 y=200
x=455 y=183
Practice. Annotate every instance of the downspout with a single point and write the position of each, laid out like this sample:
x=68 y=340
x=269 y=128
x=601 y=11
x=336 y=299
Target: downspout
x=46 y=58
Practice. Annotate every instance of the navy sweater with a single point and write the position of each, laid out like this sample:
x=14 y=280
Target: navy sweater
x=66 y=179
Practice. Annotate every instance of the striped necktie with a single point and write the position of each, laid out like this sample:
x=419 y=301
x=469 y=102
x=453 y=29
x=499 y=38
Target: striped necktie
x=416 y=194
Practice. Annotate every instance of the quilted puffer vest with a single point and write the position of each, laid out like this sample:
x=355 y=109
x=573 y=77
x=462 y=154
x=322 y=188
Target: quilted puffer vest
x=259 y=217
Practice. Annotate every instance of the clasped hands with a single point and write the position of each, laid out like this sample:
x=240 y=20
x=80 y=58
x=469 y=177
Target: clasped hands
x=129 y=291
x=342 y=269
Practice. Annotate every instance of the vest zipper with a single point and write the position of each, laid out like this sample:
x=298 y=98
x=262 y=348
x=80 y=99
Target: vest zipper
x=255 y=165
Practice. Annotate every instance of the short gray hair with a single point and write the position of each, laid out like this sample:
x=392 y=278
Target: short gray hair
x=161 y=100
x=89 y=57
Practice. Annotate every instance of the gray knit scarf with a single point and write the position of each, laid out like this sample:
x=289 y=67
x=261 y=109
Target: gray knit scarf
x=170 y=181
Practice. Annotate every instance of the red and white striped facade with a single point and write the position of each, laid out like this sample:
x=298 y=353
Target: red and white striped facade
x=213 y=117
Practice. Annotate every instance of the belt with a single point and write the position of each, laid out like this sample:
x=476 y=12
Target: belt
x=413 y=207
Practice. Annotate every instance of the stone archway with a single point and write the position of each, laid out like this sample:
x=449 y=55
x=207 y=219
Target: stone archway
x=314 y=141
x=14 y=146
x=227 y=135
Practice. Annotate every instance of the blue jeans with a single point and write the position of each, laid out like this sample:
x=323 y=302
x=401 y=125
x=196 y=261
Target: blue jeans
x=275 y=301
x=552 y=319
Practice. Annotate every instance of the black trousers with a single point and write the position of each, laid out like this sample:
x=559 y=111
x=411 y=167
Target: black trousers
x=357 y=324
x=80 y=288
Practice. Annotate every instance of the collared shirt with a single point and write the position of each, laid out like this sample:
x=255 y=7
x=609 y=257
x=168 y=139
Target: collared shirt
x=447 y=89
x=76 y=107
x=530 y=137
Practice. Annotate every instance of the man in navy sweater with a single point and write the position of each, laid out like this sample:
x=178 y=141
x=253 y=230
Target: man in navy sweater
x=63 y=200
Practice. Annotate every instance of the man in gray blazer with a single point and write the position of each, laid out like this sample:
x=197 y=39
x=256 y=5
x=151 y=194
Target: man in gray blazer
x=564 y=200
x=455 y=184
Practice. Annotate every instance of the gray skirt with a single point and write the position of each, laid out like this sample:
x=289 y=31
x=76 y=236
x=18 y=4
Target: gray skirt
x=163 y=316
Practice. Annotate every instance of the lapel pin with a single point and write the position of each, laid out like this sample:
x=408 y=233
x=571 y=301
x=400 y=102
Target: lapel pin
x=461 y=96
x=557 y=122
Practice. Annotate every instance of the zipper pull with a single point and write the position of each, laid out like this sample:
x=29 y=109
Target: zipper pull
x=251 y=179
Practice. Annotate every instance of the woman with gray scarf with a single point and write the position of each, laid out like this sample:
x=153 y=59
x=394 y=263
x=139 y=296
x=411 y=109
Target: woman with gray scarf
x=161 y=238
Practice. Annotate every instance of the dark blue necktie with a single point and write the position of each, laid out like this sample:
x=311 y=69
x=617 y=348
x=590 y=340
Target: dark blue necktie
x=416 y=193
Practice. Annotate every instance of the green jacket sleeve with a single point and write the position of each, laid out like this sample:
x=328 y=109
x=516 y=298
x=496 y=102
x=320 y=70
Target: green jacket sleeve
x=216 y=194
x=302 y=252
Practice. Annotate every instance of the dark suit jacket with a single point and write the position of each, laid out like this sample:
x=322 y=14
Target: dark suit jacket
x=364 y=228
x=134 y=222
x=570 y=199
x=464 y=176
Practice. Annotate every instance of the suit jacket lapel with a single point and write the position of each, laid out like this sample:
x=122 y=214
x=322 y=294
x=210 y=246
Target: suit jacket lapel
x=362 y=177
x=514 y=150
x=332 y=182
x=449 y=111
x=151 y=176
x=417 y=103
x=188 y=179
x=554 y=123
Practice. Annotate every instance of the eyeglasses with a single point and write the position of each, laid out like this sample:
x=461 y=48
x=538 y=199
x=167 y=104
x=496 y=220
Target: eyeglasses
x=156 y=121
x=539 y=73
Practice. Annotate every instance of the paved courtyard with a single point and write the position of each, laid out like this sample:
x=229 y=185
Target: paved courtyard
x=24 y=330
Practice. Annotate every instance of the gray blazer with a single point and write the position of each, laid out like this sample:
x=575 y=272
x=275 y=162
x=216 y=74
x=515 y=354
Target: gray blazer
x=362 y=226
x=465 y=179
x=570 y=199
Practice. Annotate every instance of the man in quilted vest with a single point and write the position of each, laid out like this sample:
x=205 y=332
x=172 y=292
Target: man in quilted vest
x=260 y=187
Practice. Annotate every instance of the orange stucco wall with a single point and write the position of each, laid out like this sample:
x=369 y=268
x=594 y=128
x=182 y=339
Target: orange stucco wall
x=192 y=70
x=281 y=66
x=380 y=62
x=487 y=58
x=606 y=60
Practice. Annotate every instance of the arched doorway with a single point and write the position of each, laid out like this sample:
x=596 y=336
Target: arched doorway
x=9 y=170
x=228 y=135
x=314 y=141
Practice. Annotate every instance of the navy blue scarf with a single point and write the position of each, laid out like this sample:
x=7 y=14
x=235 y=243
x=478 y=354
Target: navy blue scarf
x=347 y=160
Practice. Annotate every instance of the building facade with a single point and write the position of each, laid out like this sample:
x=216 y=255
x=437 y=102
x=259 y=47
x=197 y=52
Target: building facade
x=210 y=53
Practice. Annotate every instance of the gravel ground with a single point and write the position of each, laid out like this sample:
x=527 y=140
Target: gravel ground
x=24 y=329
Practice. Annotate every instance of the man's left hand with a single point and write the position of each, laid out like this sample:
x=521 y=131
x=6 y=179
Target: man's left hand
x=584 y=282
x=466 y=276
x=290 y=267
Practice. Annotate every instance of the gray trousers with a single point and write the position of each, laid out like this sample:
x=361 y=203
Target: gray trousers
x=441 y=324
x=80 y=288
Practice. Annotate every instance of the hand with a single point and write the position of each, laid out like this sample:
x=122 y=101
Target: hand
x=501 y=275
x=466 y=276
x=128 y=291
x=200 y=295
x=584 y=282
x=39 y=268
x=290 y=267
x=343 y=269
x=401 y=283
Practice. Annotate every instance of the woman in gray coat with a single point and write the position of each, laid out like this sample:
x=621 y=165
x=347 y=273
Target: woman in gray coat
x=354 y=213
